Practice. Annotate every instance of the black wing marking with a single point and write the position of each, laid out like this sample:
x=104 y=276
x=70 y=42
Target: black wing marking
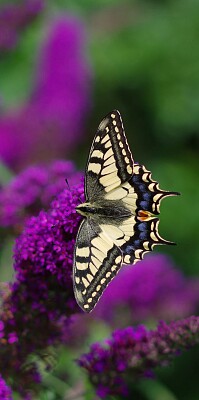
x=145 y=237
x=110 y=161
x=96 y=261
x=149 y=195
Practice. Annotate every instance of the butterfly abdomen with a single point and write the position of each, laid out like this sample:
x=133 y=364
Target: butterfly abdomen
x=114 y=210
x=86 y=209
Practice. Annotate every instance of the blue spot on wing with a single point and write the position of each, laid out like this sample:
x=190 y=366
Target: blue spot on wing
x=142 y=226
x=144 y=205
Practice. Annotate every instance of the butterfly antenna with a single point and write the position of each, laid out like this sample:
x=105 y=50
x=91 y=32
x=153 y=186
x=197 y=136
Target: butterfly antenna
x=68 y=186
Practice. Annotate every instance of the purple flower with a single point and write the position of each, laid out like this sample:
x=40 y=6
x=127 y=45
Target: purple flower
x=135 y=352
x=5 y=391
x=52 y=122
x=63 y=96
x=152 y=289
x=36 y=308
x=40 y=245
x=14 y=18
x=44 y=253
x=32 y=190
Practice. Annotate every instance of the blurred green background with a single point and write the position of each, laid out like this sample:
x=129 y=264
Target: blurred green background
x=145 y=62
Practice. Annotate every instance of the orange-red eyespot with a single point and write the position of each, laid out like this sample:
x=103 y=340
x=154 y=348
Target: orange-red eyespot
x=145 y=215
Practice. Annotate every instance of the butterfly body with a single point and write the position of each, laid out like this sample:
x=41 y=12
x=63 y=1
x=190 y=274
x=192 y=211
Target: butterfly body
x=108 y=209
x=120 y=215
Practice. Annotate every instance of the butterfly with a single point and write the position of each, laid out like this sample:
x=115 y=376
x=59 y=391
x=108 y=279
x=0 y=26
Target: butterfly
x=120 y=223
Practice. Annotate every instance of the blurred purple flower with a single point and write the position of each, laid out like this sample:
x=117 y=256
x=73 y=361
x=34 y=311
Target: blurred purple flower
x=5 y=391
x=33 y=190
x=61 y=91
x=135 y=352
x=38 y=305
x=152 y=289
x=14 y=18
x=52 y=123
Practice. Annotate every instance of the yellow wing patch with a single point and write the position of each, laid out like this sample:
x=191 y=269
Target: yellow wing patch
x=96 y=262
x=126 y=194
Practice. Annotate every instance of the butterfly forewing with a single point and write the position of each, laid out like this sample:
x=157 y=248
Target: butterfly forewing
x=97 y=260
x=110 y=161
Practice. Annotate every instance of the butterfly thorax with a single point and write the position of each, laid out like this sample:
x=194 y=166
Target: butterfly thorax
x=110 y=209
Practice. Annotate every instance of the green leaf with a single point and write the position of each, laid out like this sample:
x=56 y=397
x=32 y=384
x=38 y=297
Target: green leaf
x=5 y=174
x=155 y=390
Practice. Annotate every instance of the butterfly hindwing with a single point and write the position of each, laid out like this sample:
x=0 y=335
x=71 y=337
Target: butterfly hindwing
x=149 y=194
x=96 y=261
x=137 y=234
x=110 y=161
x=143 y=240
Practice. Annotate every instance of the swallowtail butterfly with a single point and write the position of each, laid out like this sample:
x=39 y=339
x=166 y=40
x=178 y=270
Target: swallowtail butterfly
x=120 y=222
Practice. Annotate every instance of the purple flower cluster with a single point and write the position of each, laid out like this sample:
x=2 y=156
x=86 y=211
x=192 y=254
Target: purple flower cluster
x=14 y=18
x=152 y=289
x=5 y=391
x=38 y=305
x=132 y=353
x=33 y=190
x=52 y=122
x=47 y=242
x=17 y=342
